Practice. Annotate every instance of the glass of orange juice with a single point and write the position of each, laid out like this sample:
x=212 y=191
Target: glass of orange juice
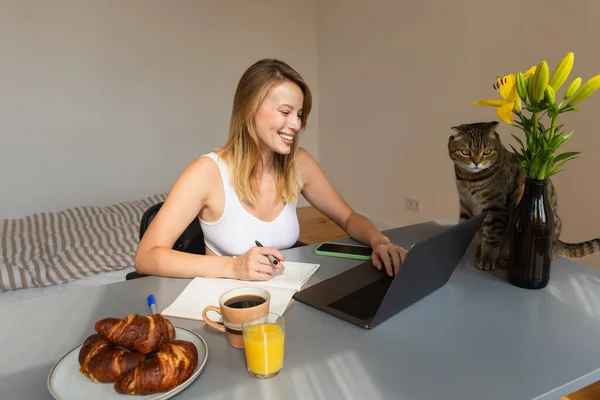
x=264 y=335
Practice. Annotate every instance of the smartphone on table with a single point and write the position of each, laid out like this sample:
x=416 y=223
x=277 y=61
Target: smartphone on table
x=344 y=250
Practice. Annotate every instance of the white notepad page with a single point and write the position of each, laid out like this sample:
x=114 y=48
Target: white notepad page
x=203 y=292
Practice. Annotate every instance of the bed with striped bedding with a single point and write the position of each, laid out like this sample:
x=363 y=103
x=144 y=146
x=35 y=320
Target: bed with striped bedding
x=54 y=248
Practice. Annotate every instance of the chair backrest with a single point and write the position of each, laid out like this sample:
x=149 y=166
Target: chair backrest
x=190 y=241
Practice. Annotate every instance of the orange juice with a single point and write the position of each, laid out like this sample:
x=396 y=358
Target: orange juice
x=264 y=348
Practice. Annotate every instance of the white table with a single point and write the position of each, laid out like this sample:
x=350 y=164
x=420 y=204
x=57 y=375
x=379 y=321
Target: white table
x=478 y=337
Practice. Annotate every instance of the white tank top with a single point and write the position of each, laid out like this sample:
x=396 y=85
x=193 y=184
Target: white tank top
x=234 y=233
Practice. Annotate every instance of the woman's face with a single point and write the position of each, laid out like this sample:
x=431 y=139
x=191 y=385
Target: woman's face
x=278 y=118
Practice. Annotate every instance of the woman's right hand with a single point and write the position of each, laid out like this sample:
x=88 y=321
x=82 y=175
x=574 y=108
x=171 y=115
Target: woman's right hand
x=255 y=266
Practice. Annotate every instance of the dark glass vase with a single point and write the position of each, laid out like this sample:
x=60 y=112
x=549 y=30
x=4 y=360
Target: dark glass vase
x=531 y=238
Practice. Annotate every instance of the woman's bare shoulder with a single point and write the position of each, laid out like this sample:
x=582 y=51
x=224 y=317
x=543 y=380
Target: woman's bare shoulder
x=304 y=158
x=201 y=174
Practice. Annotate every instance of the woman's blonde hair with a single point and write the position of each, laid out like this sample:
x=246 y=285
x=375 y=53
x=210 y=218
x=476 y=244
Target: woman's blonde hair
x=242 y=149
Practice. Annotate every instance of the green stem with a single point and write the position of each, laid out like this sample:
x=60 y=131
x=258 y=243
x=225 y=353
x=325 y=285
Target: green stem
x=534 y=132
x=533 y=172
x=552 y=128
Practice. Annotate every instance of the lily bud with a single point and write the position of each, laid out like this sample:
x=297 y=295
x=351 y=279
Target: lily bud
x=562 y=71
x=572 y=88
x=550 y=95
x=521 y=86
x=529 y=82
x=517 y=106
x=539 y=81
x=585 y=91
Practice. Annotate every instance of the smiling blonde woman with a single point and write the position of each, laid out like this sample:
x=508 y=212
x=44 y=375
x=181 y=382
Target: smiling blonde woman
x=248 y=189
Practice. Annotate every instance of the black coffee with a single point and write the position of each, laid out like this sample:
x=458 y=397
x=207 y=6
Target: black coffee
x=245 y=301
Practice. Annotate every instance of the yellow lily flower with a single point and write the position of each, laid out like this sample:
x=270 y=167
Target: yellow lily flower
x=530 y=72
x=510 y=98
x=508 y=90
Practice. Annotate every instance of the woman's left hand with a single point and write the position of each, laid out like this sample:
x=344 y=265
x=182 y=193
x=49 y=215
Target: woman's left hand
x=387 y=255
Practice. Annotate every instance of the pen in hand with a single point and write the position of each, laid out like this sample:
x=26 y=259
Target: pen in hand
x=269 y=256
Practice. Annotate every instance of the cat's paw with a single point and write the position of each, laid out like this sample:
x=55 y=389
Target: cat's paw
x=486 y=264
x=502 y=262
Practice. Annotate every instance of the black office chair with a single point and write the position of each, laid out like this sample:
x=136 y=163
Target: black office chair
x=190 y=241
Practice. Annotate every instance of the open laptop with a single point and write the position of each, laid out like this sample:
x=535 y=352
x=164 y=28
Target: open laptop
x=367 y=297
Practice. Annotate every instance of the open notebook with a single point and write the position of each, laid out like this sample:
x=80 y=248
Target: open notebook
x=203 y=292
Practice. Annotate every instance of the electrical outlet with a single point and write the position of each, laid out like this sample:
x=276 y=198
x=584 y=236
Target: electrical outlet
x=413 y=204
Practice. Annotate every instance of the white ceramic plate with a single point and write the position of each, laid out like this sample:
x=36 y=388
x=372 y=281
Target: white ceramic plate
x=65 y=382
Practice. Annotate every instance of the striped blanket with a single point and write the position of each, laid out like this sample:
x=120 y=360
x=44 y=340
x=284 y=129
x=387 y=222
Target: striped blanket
x=57 y=247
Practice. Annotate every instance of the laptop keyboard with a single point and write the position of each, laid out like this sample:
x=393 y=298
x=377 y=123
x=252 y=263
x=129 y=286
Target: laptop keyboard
x=364 y=302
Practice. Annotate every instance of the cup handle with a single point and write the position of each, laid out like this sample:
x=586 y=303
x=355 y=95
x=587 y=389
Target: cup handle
x=209 y=321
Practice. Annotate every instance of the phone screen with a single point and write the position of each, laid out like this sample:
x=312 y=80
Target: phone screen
x=345 y=249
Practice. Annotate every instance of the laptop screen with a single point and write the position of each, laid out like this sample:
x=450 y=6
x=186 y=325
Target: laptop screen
x=366 y=296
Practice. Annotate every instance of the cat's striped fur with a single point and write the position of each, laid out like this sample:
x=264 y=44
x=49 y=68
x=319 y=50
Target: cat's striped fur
x=488 y=179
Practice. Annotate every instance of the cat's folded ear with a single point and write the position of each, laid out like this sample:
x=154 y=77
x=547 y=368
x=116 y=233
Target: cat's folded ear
x=456 y=132
x=492 y=124
x=491 y=128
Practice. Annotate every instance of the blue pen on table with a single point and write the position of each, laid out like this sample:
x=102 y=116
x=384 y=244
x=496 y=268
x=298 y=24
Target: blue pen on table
x=269 y=256
x=152 y=304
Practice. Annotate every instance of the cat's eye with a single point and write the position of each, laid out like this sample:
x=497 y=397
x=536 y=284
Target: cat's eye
x=487 y=152
x=466 y=152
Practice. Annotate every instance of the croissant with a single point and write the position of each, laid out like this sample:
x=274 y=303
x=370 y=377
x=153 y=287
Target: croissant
x=137 y=333
x=102 y=361
x=172 y=365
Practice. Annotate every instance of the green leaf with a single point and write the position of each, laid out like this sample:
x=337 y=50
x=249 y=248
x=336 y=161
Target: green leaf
x=569 y=109
x=558 y=141
x=554 y=171
x=548 y=169
x=557 y=168
x=532 y=145
x=547 y=165
x=568 y=159
x=528 y=135
x=556 y=135
x=564 y=156
x=542 y=162
x=518 y=141
x=541 y=127
x=535 y=166
x=519 y=156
